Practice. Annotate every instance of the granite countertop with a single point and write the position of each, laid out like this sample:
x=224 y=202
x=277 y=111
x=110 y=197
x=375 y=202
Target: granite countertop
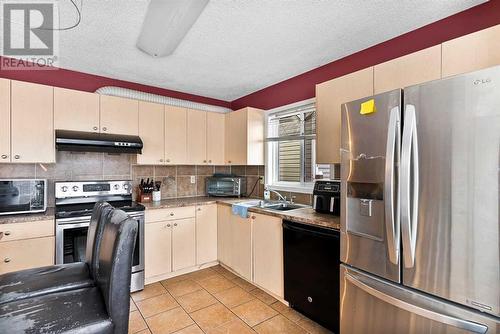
x=28 y=217
x=303 y=215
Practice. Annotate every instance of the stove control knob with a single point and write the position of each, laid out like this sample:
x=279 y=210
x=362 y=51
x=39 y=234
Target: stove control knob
x=75 y=188
x=116 y=187
x=64 y=189
x=126 y=186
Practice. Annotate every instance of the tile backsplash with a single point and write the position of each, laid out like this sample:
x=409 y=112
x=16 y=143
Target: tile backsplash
x=176 y=180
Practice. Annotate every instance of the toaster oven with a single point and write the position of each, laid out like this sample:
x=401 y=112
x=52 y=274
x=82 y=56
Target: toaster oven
x=226 y=186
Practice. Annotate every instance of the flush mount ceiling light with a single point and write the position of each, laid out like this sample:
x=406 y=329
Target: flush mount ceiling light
x=166 y=23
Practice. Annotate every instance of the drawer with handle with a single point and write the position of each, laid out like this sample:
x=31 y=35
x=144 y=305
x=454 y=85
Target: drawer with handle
x=26 y=254
x=155 y=215
x=27 y=230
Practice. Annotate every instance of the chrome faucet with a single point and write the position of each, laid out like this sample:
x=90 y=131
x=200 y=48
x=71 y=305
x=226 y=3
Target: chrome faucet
x=281 y=197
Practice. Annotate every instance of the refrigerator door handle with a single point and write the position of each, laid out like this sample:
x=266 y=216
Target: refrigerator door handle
x=416 y=309
x=409 y=186
x=390 y=200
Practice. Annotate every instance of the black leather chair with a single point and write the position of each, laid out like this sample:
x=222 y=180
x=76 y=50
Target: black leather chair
x=101 y=309
x=41 y=281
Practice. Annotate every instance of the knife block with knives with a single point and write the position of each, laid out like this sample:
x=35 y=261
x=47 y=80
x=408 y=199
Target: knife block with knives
x=146 y=188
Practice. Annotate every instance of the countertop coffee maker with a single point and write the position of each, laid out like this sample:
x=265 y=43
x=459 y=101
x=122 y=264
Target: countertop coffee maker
x=326 y=197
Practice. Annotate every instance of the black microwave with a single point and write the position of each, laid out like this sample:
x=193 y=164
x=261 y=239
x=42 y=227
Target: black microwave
x=22 y=196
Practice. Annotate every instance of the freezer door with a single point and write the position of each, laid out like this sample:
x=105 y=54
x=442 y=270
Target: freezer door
x=372 y=305
x=450 y=189
x=370 y=149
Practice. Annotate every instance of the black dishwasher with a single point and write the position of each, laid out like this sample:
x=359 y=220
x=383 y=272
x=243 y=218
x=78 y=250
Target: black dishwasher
x=311 y=270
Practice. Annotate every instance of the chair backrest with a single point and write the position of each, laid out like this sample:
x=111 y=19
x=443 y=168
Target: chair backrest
x=94 y=236
x=115 y=266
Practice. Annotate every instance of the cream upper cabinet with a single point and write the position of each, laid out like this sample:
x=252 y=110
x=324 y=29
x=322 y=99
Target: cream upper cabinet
x=32 y=123
x=76 y=110
x=245 y=137
x=196 y=137
x=151 y=131
x=175 y=135
x=183 y=243
x=5 y=123
x=157 y=248
x=472 y=52
x=412 y=69
x=206 y=234
x=329 y=98
x=119 y=115
x=267 y=235
x=216 y=132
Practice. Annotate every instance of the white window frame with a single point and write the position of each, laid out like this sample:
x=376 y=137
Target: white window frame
x=296 y=187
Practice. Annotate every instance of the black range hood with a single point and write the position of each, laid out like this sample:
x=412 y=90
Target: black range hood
x=97 y=142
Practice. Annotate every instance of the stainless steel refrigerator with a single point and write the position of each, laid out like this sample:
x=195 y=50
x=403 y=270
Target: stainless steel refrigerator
x=420 y=209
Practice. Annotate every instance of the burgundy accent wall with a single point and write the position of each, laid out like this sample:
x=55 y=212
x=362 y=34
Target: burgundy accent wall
x=302 y=87
x=90 y=83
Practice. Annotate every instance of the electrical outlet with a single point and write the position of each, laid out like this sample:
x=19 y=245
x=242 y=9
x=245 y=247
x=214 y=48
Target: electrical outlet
x=261 y=178
x=193 y=179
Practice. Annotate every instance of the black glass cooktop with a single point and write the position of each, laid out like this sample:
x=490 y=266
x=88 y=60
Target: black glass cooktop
x=85 y=209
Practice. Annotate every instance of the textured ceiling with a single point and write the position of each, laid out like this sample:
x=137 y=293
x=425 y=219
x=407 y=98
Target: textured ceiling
x=238 y=46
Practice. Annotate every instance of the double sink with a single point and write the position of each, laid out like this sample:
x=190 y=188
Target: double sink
x=278 y=205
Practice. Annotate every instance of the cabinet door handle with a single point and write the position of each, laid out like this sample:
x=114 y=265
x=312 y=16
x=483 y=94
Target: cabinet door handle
x=95 y=128
x=104 y=128
x=199 y=209
x=175 y=224
x=168 y=160
x=171 y=214
x=4 y=156
x=161 y=160
x=7 y=233
x=229 y=161
x=6 y=260
x=17 y=156
x=168 y=225
x=210 y=161
x=204 y=161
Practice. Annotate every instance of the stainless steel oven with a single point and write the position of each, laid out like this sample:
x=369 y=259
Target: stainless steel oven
x=22 y=196
x=74 y=204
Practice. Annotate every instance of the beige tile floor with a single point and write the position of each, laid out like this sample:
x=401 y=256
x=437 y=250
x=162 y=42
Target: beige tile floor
x=212 y=301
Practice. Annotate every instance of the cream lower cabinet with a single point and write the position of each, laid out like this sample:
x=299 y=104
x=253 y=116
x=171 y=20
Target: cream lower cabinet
x=151 y=131
x=26 y=245
x=32 y=123
x=267 y=235
x=76 y=110
x=157 y=248
x=330 y=96
x=5 y=123
x=235 y=241
x=206 y=234
x=472 y=52
x=170 y=241
x=183 y=243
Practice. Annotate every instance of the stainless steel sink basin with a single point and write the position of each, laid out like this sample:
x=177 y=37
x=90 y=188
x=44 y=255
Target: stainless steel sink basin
x=284 y=206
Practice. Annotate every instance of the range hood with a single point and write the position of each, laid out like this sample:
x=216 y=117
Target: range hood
x=97 y=142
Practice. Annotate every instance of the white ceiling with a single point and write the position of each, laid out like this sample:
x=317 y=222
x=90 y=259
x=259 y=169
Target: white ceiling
x=238 y=46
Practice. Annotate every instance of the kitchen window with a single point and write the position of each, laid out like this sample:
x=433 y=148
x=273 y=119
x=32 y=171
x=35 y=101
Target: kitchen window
x=291 y=147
